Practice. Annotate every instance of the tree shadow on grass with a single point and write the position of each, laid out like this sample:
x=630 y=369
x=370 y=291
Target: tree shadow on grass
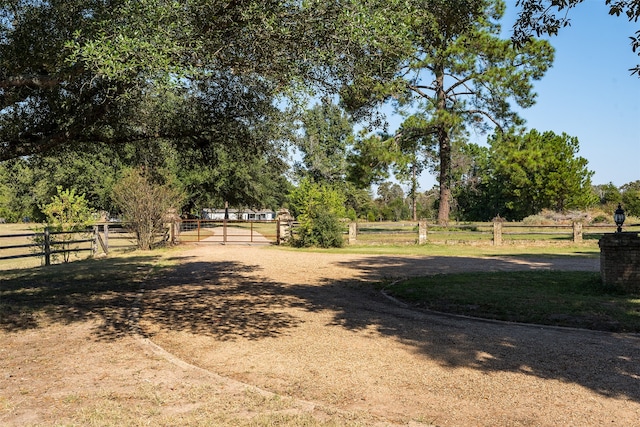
x=214 y=299
x=103 y=289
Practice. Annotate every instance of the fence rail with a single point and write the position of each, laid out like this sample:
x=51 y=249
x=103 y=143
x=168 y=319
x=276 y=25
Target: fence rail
x=95 y=239
x=109 y=237
x=496 y=233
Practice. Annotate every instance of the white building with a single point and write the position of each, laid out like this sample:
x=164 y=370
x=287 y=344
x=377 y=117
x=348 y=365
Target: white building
x=239 y=214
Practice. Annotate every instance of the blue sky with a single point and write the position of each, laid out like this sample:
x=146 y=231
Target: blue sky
x=589 y=92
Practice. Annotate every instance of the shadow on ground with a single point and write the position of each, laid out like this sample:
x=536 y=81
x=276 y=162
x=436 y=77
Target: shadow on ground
x=233 y=300
x=228 y=300
x=218 y=299
x=102 y=289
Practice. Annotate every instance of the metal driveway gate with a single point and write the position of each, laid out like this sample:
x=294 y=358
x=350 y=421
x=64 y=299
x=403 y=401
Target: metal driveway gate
x=229 y=231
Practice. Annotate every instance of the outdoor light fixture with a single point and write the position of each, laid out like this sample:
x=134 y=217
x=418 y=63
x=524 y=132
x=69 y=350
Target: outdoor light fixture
x=618 y=217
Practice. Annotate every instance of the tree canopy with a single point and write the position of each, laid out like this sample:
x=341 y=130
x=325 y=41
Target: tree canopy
x=327 y=136
x=202 y=94
x=459 y=73
x=128 y=70
x=520 y=175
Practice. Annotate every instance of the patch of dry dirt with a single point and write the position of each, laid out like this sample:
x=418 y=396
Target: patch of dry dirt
x=230 y=325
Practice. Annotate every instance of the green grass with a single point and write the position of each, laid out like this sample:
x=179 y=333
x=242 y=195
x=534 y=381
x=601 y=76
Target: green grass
x=590 y=250
x=574 y=299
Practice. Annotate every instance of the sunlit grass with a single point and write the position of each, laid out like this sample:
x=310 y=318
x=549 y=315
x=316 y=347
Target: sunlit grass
x=463 y=250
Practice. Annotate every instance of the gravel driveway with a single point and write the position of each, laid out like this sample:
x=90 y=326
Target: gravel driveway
x=309 y=326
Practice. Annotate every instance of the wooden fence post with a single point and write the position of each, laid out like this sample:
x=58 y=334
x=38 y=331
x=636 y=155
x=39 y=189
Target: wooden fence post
x=224 y=231
x=98 y=242
x=94 y=242
x=106 y=238
x=497 y=233
x=353 y=232
x=277 y=232
x=422 y=232
x=47 y=246
x=577 y=232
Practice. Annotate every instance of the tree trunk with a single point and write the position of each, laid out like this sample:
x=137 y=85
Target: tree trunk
x=414 y=190
x=444 y=145
x=445 y=189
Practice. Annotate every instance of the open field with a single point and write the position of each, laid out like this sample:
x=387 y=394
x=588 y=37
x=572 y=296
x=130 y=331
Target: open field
x=260 y=336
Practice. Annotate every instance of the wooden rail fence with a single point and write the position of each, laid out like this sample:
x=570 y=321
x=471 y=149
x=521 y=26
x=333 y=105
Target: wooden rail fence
x=99 y=238
x=103 y=238
x=496 y=233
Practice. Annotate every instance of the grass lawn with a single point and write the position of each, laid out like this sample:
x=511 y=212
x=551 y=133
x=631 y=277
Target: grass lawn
x=465 y=250
x=575 y=299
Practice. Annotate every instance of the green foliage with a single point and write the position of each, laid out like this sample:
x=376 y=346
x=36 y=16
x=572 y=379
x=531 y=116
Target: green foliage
x=358 y=201
x=540 y=171
x=67 y=212
x=323 y=229
x=134 y=70
x=207 y=171
x=327 y=134
x=369 y=161
x=631 y=198
x=318 y=209
x=20 y=199
x=144 y=205
x=520 y=175
x=391 y=202
x=608 y=194
x=484 y=73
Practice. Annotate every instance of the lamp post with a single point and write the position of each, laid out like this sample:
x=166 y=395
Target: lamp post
x=618 y=217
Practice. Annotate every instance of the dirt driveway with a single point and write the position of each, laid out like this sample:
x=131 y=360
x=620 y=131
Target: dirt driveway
x=309 y=328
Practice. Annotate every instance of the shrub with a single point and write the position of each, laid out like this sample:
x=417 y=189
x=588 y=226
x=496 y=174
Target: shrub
x=324 y=231
x=318 y=209
x=68 y=213
x=144 y=204
x=601 y=219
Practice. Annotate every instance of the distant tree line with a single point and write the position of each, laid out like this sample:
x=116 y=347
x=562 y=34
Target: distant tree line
x=543 y=173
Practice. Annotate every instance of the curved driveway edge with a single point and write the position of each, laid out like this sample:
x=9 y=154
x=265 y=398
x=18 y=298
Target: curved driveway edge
x=307 y=325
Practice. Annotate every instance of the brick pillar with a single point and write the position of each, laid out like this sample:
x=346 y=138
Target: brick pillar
x=620 y=261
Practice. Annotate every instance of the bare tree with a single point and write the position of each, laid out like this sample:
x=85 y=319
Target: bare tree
x=144 y=204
